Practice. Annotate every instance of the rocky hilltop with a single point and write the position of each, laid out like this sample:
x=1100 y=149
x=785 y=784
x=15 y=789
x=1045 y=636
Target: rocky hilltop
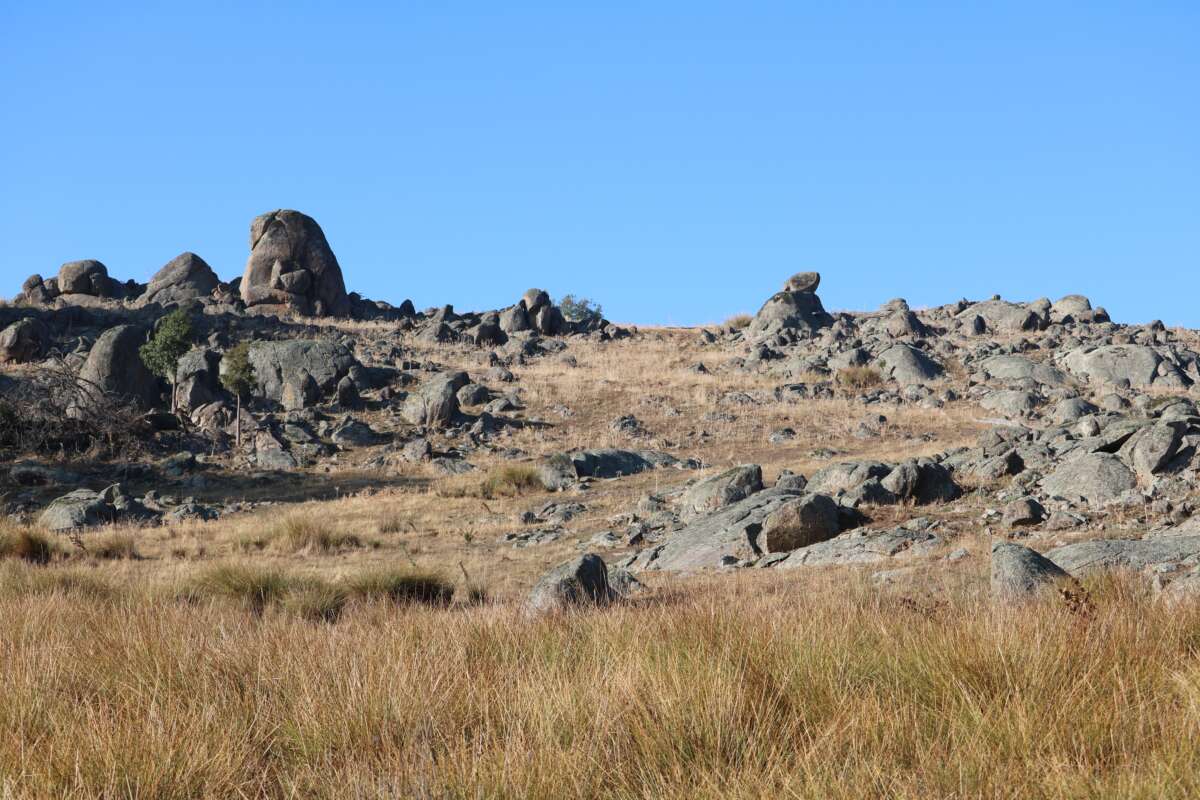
x=796 y=438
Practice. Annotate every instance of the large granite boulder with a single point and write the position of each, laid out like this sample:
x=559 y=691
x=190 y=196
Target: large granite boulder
x=1021 y=369
x=24 y=340
x=1019 y=572
x=718 y=491
x=185 y=277
x=804 y=521
x=1095 y=478
x=728 y=536
x=278 y=363
x=84 y=508
x=580 y=582
x=436 y=403
x=114 y=368
x=291 y=265
x=1117 y=364
x=796 y=312
x=860 y=546
x=84 y=277
x=906 y=365
x=1156 y=552
x=1001 y=316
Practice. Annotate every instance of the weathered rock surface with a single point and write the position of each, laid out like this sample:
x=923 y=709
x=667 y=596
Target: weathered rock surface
x=728 y=536
x=564 y=469
x=25 y=340
x=275 y=363
x=580 y=582
x=1020 y=572
x=906 y=364
x=185 y=277
x=1094 y=478
x=863 y=546
x=291 y=265
x=1082 y=558
x=114 y=368
x=717 y=491
x=436 y=402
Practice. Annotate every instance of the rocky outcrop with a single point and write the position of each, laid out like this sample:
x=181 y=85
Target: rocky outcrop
x=724 y=538
x=291 y=266
x=861 y=546
x=84 y=508
x=718 y=491
x=796 y=310
x=906 y=364
x=1164 y=552
x=185 y=277
x=278 y=363
x=87 y=277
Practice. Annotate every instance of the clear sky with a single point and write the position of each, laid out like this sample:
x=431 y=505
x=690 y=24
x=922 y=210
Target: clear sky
x=675 y=161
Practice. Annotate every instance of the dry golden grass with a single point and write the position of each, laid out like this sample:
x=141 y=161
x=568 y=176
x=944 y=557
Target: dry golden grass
x=743 y=686
x=859 y=377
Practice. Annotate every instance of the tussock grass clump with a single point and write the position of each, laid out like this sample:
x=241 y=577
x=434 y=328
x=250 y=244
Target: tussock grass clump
x=28 y=545
x=30 y=579
x=739 y=321
x=403 y=586
x=259 y=588
x=113 y=547
x=305 y=534
x=394 y=524
x=254 y=587
x=859 y=377
x=511 y=481
x=316 y=600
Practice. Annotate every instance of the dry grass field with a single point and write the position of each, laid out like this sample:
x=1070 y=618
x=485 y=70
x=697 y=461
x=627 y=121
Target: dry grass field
x=806 y=686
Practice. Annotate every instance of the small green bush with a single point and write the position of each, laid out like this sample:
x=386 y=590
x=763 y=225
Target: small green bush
x=580 y=309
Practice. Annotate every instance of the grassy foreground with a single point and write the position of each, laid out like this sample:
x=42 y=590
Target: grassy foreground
x=812 y=685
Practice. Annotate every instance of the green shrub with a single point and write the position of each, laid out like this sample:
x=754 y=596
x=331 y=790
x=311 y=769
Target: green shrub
x=171 y=339
x=580 y=309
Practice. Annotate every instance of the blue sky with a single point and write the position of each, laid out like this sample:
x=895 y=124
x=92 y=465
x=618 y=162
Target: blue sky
x=676 y=161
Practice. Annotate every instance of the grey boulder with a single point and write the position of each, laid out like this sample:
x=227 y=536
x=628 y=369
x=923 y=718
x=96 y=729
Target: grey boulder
x=906 y=365
x=114 y=368
x=185 y=277
x=435 y=403
x=1019 y=572
x=277 y=363
x=291 y=264
x=25 y=340
x=1095 y=478
x=718 y=491
x=1082 y=558
x=580 y=582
